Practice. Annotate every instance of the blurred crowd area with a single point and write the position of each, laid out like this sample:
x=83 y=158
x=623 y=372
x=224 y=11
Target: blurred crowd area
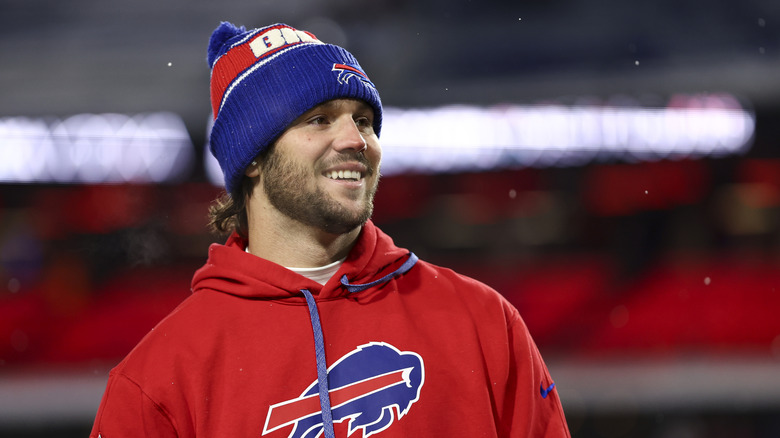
x=613 y=261
x=657 y=258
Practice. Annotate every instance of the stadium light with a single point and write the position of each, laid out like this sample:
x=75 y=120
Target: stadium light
x=95 y=148
x=471 y=138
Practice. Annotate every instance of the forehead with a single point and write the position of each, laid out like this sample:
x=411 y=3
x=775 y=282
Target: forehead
x=354 y=105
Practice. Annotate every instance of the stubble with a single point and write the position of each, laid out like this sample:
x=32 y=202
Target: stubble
x=285 y=185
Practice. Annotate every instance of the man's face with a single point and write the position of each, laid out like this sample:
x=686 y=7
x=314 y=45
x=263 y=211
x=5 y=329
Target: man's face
x=324 y=169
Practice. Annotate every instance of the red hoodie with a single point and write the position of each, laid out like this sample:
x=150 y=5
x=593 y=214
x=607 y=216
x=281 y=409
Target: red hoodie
x=422 y=352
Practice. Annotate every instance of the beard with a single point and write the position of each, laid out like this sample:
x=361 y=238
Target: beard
x=285 y=185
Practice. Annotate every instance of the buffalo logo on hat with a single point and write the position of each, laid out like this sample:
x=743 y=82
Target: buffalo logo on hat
x=345 y=72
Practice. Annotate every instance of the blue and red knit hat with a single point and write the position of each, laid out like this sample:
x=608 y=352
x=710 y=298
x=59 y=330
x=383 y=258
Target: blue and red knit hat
x=263 y=79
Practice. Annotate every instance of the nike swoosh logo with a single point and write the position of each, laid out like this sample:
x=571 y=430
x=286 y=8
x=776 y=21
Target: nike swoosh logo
x=545 y=392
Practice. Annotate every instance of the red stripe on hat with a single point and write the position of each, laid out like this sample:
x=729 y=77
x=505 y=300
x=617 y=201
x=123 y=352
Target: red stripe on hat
x=227 y=68
x=239 y=58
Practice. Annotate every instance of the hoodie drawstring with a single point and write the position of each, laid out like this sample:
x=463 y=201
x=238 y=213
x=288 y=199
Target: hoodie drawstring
x=322 y=371
x=352 y=288
x=319 y=342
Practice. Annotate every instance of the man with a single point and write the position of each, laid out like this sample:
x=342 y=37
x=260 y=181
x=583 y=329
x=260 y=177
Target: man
x=309 y=321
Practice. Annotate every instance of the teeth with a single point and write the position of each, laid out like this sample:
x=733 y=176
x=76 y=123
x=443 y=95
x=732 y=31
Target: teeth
x=344 y=174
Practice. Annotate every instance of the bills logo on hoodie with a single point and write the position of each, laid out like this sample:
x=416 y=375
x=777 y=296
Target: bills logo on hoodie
x=371 y=387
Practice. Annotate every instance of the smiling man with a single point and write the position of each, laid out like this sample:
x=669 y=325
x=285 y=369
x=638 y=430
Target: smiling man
x=319 y=180
x=309 y=321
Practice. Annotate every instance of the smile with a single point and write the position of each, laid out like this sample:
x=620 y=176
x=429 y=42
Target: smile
x=348 y=175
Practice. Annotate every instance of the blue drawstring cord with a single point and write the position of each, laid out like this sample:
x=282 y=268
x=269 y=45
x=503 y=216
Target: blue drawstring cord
x=352 y=288
x=322 y=371
x=319 y=341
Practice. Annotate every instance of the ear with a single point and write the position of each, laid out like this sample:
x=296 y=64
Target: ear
x=253 y=170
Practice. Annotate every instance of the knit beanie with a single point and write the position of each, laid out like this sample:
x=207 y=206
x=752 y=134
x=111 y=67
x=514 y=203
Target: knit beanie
x=263 y=79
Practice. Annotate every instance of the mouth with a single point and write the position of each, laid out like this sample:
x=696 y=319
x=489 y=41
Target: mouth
x=345 y=175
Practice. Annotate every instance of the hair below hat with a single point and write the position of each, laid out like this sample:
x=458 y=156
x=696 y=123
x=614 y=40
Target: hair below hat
x=263 y=79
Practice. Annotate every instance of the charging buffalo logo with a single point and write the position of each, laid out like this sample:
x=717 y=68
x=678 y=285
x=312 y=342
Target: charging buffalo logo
x=345 y=72
x=370 y=387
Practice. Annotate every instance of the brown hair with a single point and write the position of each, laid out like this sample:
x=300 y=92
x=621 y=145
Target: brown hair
x=228 y=212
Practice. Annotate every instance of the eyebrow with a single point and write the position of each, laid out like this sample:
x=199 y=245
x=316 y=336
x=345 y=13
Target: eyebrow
x=330 y=104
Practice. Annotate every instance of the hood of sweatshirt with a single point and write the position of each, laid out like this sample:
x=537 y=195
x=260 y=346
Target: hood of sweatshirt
x=230 y=269
x=373 y=261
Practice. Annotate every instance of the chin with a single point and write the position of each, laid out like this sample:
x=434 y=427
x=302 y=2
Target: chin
x=344 y=225
x=338 y=221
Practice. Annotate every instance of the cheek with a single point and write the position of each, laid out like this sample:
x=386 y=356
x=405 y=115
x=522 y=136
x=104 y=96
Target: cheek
x=305 y=150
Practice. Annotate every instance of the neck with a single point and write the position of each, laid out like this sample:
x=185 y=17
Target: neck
x=288 y=242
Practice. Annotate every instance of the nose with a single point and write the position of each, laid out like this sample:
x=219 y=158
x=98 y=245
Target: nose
x=348 y=136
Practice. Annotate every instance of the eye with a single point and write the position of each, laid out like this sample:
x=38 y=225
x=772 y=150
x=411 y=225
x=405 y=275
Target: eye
x=363 y=122
x=317 y=120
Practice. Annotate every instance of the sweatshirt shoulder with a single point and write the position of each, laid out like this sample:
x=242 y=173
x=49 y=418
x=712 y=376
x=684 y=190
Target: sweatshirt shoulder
x=456 y=285
x=447 y=277
x=180 y=326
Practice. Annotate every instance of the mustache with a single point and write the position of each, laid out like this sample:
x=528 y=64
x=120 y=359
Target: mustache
x=351 y=157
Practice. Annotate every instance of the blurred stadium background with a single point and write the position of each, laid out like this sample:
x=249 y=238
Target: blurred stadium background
x=612 y=167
